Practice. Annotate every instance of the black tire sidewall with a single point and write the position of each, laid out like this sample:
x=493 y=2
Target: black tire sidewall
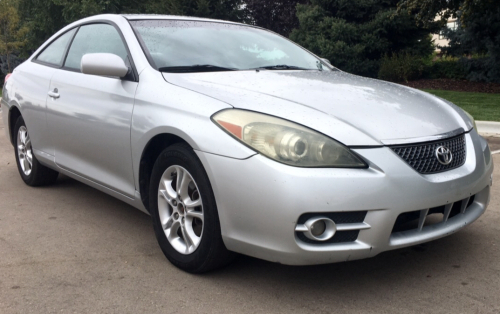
x=184 y=156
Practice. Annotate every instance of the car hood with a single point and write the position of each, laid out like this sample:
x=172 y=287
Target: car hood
x=351 y=109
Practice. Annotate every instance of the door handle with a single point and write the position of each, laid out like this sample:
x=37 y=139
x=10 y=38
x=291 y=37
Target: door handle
x=54 y=94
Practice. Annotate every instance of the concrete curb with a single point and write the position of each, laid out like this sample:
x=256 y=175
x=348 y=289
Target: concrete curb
x=488 y=127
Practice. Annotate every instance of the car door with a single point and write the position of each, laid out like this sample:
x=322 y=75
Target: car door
x=89 y=116
x=32 y=82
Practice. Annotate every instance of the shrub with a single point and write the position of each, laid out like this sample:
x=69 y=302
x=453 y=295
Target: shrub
x=401 y=67
x=447 y=67
x=481 y=69
x=404 y=67
x=355 y=35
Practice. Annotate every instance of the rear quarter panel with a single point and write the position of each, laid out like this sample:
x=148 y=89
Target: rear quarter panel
x=27 y=90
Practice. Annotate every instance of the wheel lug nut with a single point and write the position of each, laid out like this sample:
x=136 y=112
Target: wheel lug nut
x=176 y=216
x=174 y=202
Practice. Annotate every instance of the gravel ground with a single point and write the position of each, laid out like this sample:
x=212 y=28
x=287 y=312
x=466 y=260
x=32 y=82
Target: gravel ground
x=72 y=249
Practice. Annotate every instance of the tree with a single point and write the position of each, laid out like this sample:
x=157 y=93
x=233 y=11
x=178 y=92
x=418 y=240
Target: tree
x=426 y=10
x=44 y=18
x=355 y=35
x=11 y=33
x=278 y=16
x=232 y=10
x=477 y=44
x=476 y=41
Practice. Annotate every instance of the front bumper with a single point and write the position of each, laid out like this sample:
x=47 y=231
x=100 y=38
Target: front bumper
x=259 y=202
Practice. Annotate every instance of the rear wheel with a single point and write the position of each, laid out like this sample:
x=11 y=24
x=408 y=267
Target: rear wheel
x=32 y=172
x=184 y=212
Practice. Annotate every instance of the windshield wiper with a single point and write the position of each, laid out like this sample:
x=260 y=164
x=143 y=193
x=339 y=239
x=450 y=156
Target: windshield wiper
x=195 y=68
x=280 y=67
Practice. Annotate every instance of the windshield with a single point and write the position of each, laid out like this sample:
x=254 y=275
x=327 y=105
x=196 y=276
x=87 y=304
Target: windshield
x=195 y=46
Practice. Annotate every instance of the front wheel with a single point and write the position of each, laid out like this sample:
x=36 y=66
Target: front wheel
x=31 y=170
x=184 y=212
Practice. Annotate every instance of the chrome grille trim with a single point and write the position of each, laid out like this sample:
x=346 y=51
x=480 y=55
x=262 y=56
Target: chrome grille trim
x=422 y=156
x=431 y=138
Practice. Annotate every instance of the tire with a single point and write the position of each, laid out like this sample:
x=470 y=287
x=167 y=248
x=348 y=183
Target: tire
x=185 y=219
x=31 y=170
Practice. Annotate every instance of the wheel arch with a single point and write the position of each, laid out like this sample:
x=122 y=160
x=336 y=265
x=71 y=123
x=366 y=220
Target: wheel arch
x=148 y=158
x=14 y=114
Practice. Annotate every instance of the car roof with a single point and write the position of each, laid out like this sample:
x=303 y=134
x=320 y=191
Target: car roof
x=134 y=17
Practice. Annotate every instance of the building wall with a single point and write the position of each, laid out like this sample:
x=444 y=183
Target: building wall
x=439 y=40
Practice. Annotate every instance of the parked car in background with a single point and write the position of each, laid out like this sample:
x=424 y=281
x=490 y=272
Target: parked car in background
x=235 y=139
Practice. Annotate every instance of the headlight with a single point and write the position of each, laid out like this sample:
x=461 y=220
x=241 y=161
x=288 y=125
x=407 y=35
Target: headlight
x=472 y=120
x=285 y=141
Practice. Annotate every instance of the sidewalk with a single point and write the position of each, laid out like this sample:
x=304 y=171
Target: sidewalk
x=488 y=128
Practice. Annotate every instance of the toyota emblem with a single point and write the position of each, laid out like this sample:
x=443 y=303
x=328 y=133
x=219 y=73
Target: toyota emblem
x=444 y=155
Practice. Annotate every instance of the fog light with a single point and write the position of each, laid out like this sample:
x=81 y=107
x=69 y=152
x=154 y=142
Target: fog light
x=318 y=228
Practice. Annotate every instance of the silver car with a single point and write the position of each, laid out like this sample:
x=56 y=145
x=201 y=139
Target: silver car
x=235 y=139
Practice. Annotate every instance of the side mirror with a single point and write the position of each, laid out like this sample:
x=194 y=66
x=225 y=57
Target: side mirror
x=103 y=64
x=326 y=61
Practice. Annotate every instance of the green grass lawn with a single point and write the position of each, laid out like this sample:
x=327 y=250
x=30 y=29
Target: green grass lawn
x=482 y=106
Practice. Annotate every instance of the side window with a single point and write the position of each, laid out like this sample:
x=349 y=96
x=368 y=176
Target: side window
x=95 y=38
x=54 y=53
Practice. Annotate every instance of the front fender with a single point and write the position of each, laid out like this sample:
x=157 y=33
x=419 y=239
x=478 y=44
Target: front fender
x=163 y=108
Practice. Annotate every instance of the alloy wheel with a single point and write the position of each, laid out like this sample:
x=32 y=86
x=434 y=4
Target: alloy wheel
x=24 y=151
x=180 y=209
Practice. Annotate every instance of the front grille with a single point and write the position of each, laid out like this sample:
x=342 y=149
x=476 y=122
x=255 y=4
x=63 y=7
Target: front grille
x=422 y=157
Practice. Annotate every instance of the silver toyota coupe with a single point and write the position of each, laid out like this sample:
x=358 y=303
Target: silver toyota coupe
x=235 y=139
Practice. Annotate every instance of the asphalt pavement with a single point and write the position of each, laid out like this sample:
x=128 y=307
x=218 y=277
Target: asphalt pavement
x=69 y=248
